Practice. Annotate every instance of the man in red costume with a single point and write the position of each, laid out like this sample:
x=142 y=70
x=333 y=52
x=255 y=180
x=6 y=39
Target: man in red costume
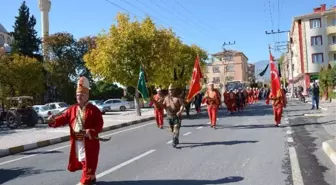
x=211 y=98
x=250 y=95
x=279 y=102
x=85 y=122
x=226 y=99
x=232 y=101
x=158 y=109
x=246 y=97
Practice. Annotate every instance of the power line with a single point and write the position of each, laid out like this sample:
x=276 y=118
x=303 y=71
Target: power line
x=112 y=3
x=191 y=20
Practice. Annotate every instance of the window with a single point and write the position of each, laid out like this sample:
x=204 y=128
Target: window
x=229 y=78
x=333 y=40
x=230 y=68
x=317 y=57
x=216 y=80
x=334 y=56
x=333 y=22
x=2 y=40
x=116 y=101
x=215 y=69
x=315 y=23
x=316 y=40
x=228 y=58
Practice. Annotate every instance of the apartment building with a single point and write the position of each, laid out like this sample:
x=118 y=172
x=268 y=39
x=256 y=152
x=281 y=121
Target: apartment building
x=312 y=45
x=227 y=66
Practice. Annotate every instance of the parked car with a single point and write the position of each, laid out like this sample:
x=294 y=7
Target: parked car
x=59 y=106
x=116 y=105
x=100 y=104
x=43 y=113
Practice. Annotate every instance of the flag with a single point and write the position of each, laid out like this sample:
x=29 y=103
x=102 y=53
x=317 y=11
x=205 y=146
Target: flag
x=264 y=71
x=275 y=81
x=195 y=85
x=142 y=88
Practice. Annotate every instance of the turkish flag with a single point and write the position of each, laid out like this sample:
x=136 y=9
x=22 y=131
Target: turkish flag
x=195 y=86
x=275 y=80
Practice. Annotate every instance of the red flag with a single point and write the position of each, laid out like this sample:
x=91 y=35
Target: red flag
x=275 y=81
x=195 y=86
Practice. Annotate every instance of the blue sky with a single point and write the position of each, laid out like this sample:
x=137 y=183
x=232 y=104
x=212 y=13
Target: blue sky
x=207 y=23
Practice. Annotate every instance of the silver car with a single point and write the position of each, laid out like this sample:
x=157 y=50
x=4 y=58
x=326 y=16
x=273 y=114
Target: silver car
x=100 y=105
x=43 y=112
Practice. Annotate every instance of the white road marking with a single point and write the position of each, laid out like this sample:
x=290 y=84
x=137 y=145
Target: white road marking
x=169 y=142
x=246 y=162
x=290 y=140
x=200 y=127
x=289 y=132
x=185 y=134
x=296 y=172
x=286 y=119
x=319 y=107
x=114 y=133
x=102 y=174
x=209 y=123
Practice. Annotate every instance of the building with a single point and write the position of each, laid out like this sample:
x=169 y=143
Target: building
x=312 y=45
x=5 y=38
x=251 y=72
x=227 y=66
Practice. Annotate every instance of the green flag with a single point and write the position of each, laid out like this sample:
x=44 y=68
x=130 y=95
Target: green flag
x=142 y=88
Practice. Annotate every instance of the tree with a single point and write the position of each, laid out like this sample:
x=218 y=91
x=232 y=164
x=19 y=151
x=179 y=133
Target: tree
x=20 y=75
x=26 y=41
x=327 y=80
x=103 y=90
x=65 y=62
x=120 y=52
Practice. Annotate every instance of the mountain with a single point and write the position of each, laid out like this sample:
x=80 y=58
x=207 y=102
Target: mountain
x=259 y=67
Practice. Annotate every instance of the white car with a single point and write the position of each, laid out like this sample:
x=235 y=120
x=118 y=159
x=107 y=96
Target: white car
x=116 y=105
x=43 y=113
x=59 y=106
x=100 y=104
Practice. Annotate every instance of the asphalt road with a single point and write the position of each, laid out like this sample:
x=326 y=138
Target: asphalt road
x=245 y=149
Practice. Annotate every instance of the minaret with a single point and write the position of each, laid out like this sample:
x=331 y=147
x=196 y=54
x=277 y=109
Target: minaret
x=44 y=6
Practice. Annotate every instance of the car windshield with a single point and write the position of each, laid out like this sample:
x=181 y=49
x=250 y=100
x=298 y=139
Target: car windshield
x=62 y=105
x=45 y=108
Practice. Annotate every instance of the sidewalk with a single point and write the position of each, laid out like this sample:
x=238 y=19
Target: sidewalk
x=19 y=140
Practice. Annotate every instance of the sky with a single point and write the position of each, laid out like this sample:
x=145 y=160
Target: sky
x=207 y=23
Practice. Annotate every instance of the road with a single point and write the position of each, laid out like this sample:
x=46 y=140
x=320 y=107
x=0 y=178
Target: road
x=246 y=149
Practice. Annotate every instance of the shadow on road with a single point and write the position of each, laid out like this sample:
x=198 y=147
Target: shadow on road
x=41 y=152
x=193 y=145
x=175 y=182
x=13 y=173
x=271 y=125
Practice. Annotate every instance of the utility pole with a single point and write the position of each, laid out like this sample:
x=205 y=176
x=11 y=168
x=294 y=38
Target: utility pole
x=276 y=32
x=224 y=58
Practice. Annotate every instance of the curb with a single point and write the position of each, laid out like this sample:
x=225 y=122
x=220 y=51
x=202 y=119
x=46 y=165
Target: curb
x=329 y=150
x=40 y=144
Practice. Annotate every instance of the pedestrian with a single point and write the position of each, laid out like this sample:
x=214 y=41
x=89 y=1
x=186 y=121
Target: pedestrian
x=174 y=105
x=226 y=99
x=315 y=96
x=232 y=101
x=158 y=110
x=85 y=122
x=211 y=98
x=279 y=102
x=240 y=99
x=198 y=102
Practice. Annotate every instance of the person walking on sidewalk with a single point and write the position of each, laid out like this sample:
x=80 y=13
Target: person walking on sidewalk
x=211 y=98
x=315 y=96
x=85 y=122
x=174 y=106
x=158 y=109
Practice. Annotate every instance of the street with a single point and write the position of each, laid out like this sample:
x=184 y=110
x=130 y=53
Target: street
x=245 y=149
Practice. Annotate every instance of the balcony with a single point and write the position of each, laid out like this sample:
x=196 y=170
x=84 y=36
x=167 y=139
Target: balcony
x=332 y=47
x=331 y=29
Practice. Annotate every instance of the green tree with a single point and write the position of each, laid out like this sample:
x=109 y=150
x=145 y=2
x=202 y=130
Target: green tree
x=65 y=62
x=103 y=90
x=129 y=44
x=20 y=75
x=327 y=80
x=26 y=41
